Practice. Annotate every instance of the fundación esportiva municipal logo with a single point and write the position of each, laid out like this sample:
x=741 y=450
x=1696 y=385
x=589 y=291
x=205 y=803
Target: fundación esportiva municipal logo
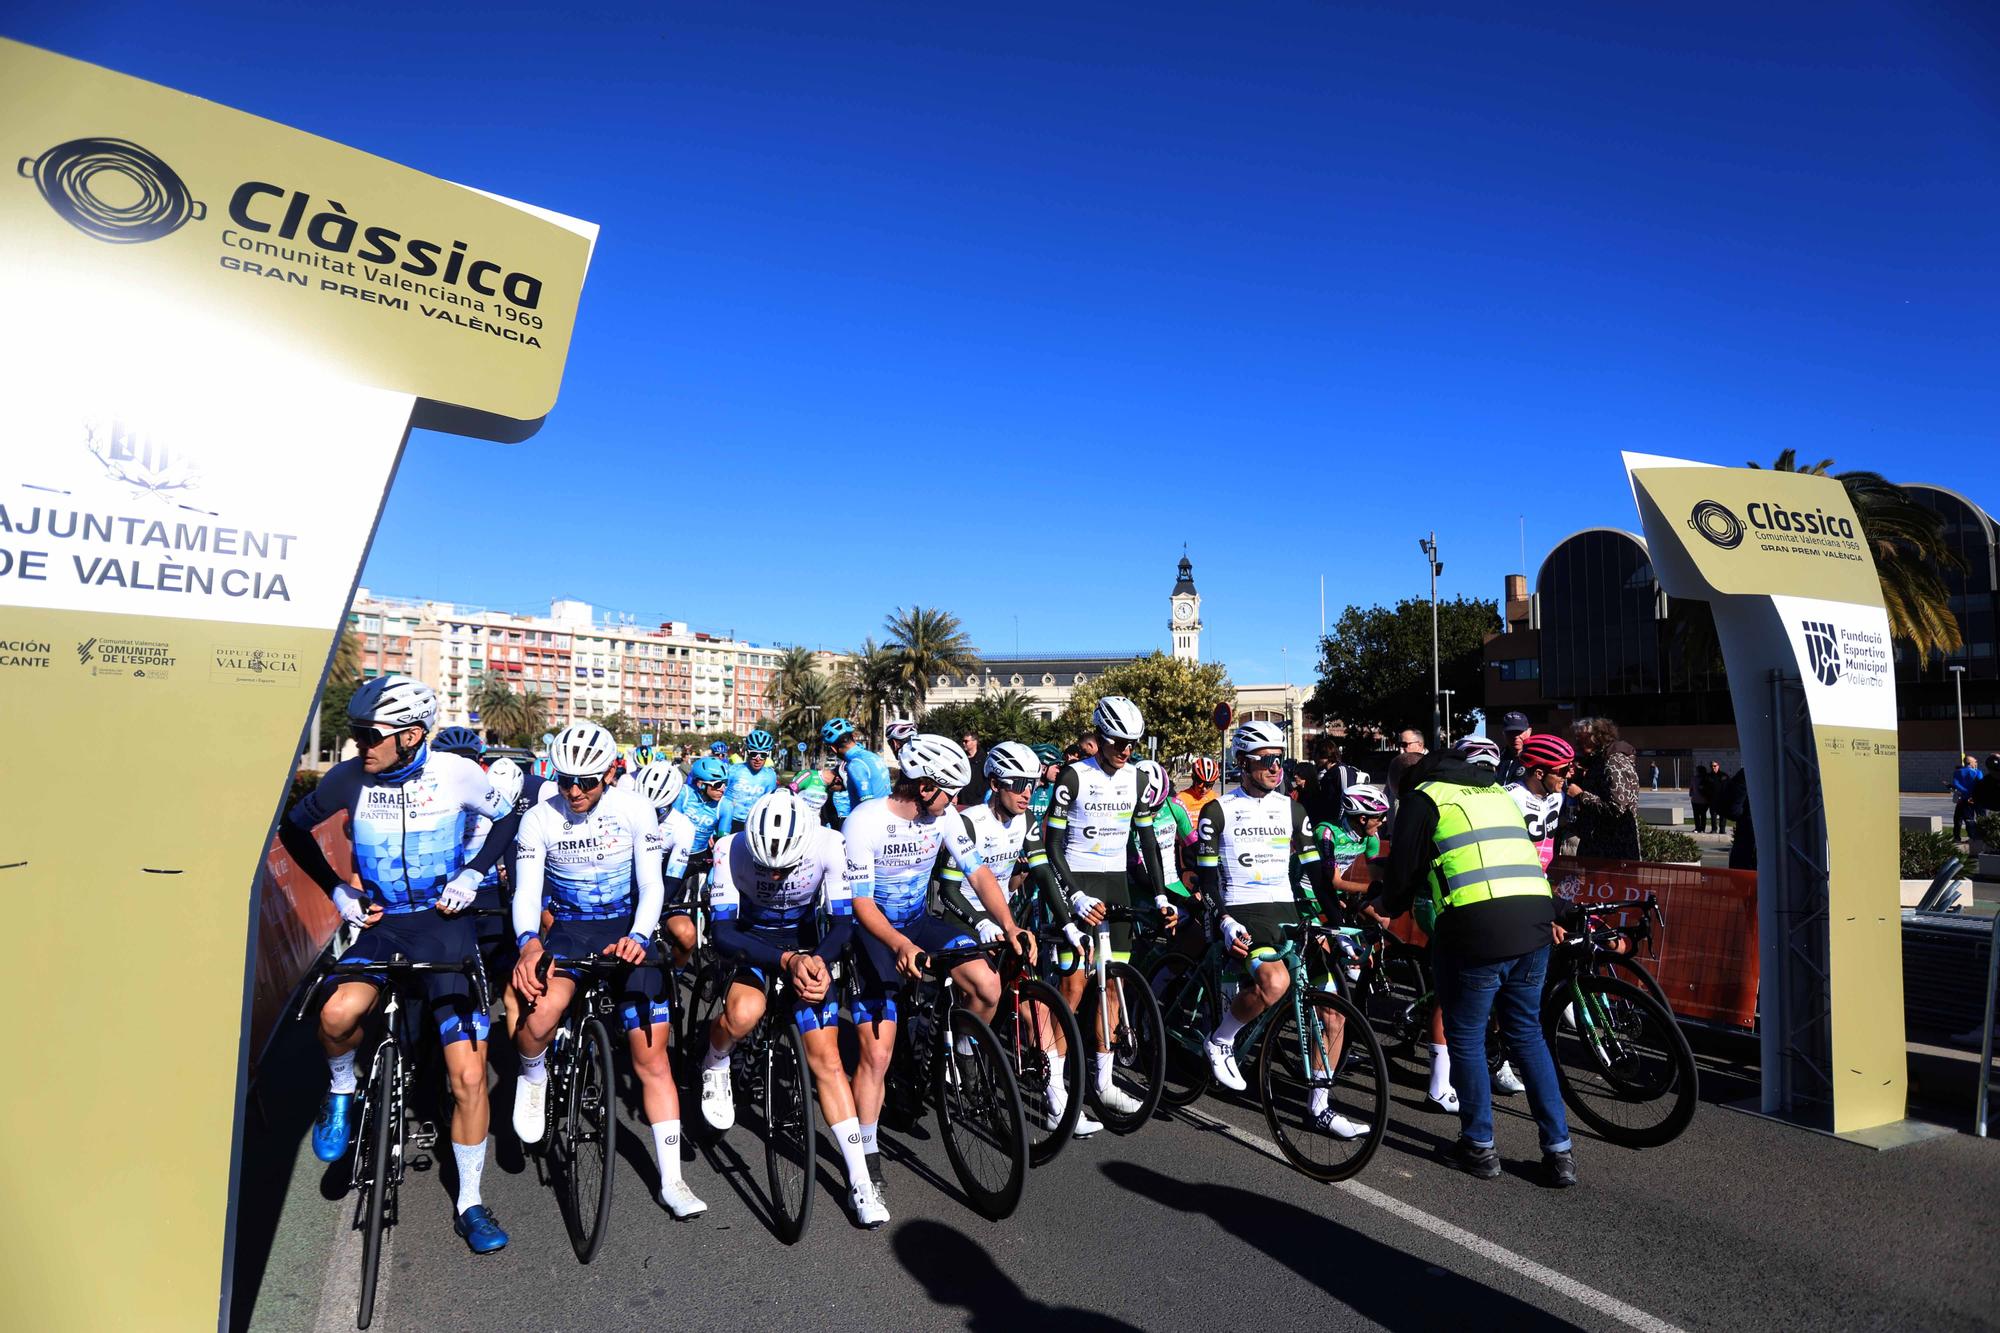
x=113 y=190
x=1715 y=522
x=1822 y=650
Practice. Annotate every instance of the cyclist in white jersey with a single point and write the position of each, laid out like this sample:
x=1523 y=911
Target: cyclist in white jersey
x=592 y=858
x=892 y=845
x=1544 y=764
x=1248 y=837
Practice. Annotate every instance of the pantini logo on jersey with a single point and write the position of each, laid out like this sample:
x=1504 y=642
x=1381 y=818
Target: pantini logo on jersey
x=112 y=190
x=1822 y=651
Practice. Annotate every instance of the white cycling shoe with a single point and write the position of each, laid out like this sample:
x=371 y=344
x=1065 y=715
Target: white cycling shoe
x=531 y=1110
x=1118 y=1101
x=718 y=1099
x=1330 y=1121
x=1085 y=1126
x=1506 y=1081
x=865 y=1199
x=1222 y=1063
x=681 y=1201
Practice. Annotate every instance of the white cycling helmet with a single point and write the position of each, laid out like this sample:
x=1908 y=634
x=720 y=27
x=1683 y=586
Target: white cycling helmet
x=1365 y=798
x=394 y=701
x=1119 y=718
x=583 y=749
x=505 y=775
x=778 y=829
x=660 y=783
x=899 y=734
x=1011 y=761
x=1477 y=750
x=1258 y=736
x=938 y=759
x=1153 y=786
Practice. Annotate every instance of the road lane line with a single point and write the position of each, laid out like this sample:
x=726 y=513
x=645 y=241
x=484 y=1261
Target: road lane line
x=1492 y=1252
x=340 y=1289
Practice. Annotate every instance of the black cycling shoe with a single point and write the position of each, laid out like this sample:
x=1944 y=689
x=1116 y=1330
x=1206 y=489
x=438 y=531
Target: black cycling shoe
x=1482 y=1163
x=1560 y=1167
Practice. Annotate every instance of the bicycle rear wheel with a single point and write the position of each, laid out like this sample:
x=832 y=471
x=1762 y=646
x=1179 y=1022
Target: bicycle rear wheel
x=789 y=1135
x=589 y=1134
x=1625 y=1066
x=1627 y=968
x=1302 y=1071
x=1138 y=1045
x=1189 y=1009
x=979 y=1114
x=1041 y=1034
x=379 y=1135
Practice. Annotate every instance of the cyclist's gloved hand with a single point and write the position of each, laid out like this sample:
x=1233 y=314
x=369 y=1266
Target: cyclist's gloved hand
x=458 y=894
x=1236 y=935
x=1077 y=939
x=1089 y=908
x=989 y=931
x=353 y=908
x=1167 y=910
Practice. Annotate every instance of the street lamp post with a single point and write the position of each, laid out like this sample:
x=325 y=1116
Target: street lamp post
x=1958 y=690
x=1447 y=717
x=1429 y=546
x=812 y=719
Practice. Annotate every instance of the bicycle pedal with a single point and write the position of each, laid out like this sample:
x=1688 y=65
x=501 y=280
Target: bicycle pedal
x=424 y=1136
x=419 y=1162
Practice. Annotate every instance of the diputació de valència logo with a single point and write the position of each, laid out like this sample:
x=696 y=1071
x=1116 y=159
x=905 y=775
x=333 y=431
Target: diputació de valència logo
x=113 y=190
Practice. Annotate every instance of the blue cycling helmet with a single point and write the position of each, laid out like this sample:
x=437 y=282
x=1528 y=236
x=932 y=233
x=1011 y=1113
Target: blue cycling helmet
x=707 y=769
x=719 y=749
x=759 y=742
x=459 y=740
x=832 y=732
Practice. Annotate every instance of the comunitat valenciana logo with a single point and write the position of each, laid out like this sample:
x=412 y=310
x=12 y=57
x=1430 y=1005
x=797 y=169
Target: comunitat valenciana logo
x=1714 y=521
x=113 y=190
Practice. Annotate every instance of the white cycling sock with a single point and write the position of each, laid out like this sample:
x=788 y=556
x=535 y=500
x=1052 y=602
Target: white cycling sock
x=535 y=1068
x=1101 y=1065
x=1058 y=1080
x=1230 y=1025
x=471 y=1159
x=847 y=1134
x=715 y=1059
x=667 y=1147
x=1440 y=1070
x=868 y=1144
x=1316 y=1104
x=340 y=1071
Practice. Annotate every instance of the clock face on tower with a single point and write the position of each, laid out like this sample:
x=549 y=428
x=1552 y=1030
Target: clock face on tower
x=1183 y=611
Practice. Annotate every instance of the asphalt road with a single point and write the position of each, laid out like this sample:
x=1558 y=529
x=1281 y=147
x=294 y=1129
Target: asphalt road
x=1192 y=1222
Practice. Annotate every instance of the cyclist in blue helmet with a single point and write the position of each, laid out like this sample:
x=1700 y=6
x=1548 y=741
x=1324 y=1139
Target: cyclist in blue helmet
x=460 y=741
x=691 y=827
x=748 y=780
x=720 y=750
x=863 y=776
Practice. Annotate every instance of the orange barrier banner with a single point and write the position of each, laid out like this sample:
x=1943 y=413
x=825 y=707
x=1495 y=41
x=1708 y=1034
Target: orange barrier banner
x=294 y=922
x=1706 y=954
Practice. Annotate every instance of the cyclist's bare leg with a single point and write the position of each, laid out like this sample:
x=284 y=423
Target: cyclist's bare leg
x=680 y=934
x=836 y=1095
x=979 y=984
x=465 y=1068
x=878 y=1045
x=741 y=1008
x=537 y=1028
x=657 y=1090
x=340 y=1018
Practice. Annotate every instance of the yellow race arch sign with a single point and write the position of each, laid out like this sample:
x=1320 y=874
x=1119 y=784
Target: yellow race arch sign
x=215 y=335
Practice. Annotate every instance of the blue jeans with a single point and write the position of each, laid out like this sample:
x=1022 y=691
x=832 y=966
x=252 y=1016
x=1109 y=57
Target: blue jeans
x=1471 y=993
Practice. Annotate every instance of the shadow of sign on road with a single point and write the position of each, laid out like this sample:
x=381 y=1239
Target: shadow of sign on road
x=957 y=1271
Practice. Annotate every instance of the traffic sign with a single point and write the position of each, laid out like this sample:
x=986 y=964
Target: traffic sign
x=1221 y=718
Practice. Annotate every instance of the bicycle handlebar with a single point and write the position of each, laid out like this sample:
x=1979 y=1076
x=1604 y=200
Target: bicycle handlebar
x=943 y=961
x=394 y=968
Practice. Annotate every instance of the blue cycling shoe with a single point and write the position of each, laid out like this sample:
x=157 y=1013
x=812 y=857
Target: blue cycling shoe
x=479 y=1229
x=334 y=1127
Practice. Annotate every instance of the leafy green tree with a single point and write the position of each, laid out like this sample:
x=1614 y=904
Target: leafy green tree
x=808 y=705
x=621 y=726
x=796 y=668
x=1177 y=697
x=1375 y=668
x=870 y=685
x=509 y=717
x=927 y=643
x=342 y=680
x=1007 y=716
x=1909 y=546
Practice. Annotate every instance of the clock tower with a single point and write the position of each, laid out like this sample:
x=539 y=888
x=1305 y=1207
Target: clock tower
x=1185 y=618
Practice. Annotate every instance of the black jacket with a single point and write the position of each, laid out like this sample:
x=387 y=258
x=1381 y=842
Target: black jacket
x=1498 y=928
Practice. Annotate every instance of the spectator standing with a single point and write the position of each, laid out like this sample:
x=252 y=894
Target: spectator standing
x=1409 y=749
x=1963 y=808
x=1734 y=803
x=1514 y=732
x=1605 y=790
x=974 y=792
x=1656 y=775
x=1701 y=795
x=1334 y=780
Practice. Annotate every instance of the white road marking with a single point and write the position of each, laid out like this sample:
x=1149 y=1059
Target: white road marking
x=340 y=1290
x=1628 y=1315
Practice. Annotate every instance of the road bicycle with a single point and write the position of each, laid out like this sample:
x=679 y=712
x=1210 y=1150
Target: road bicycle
x=389 y=1138
x=1045 y=1045
x=1136 y=1041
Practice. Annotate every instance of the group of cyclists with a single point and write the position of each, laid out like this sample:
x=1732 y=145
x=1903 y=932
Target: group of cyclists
x=840 y=882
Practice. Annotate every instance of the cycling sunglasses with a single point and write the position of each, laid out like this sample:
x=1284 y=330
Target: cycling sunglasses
x=1262 y=760
x=585 y=784
x=718 y=784
x=370 y=737
x=1115 y=742
x=1015 y=785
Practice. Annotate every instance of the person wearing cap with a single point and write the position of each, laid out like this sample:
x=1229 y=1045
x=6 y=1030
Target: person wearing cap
x=1515 y=729
x=1963 y=783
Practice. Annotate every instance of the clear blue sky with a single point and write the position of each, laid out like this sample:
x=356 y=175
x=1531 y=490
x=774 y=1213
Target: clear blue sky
x=1063 y=286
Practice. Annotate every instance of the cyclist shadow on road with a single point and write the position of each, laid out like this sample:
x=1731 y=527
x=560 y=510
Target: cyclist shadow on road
x=1400 y=1290
x=956 y=1271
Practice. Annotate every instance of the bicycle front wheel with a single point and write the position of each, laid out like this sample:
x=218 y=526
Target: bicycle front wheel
x=1189 y=1009
x=1625 y=1067
x=789 y=1134
x=979 y=1114
x=1137 y=1043
x=588 y=1136
x=1627 y=968
x=1324 y=1084
x=379 y=1136
x=1047 y=1049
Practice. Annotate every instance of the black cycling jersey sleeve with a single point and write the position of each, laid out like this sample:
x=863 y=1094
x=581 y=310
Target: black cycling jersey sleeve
x=1208 y=851
x=1035 y=852
x=1411 y=856
x=950 y=882
x=834 y=942
x=1056 y=825
x=335 y=792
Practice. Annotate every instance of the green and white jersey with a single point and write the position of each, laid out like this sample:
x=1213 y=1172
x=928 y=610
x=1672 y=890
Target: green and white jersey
x=1344 y=847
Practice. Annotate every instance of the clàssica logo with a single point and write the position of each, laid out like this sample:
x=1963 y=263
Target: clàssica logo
x=1716 y=523
x=113 y=190
x=1822 y=650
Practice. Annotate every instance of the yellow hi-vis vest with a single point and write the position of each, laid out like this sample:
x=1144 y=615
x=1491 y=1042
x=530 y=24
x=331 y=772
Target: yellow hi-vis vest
x=1484 y=848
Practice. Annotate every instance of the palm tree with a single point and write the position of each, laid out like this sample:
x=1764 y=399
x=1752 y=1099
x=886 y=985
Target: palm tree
x=1909 y=547
x=870 y=684
x=810 y=703
x=795 y=667
x=534 y=717
x=927 y=643
x=498 y=708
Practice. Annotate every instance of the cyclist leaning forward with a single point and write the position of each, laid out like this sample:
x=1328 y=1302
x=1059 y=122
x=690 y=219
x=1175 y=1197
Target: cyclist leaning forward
x=1101 y=802
x=591 y=856
x=778 y=898
x=892 y=846
x=1248 y=837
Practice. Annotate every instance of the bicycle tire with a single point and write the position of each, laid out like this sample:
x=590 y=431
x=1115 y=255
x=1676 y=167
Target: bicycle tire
x=1642 y=1059
x=789 y=1132
x=1034 y=1071
x=1185 y=1075
x=979 y=1115
x=1627 y=968
x=1359 y=1082
x=590 y=1127
x=1138 y=1046
x=382 y=1107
